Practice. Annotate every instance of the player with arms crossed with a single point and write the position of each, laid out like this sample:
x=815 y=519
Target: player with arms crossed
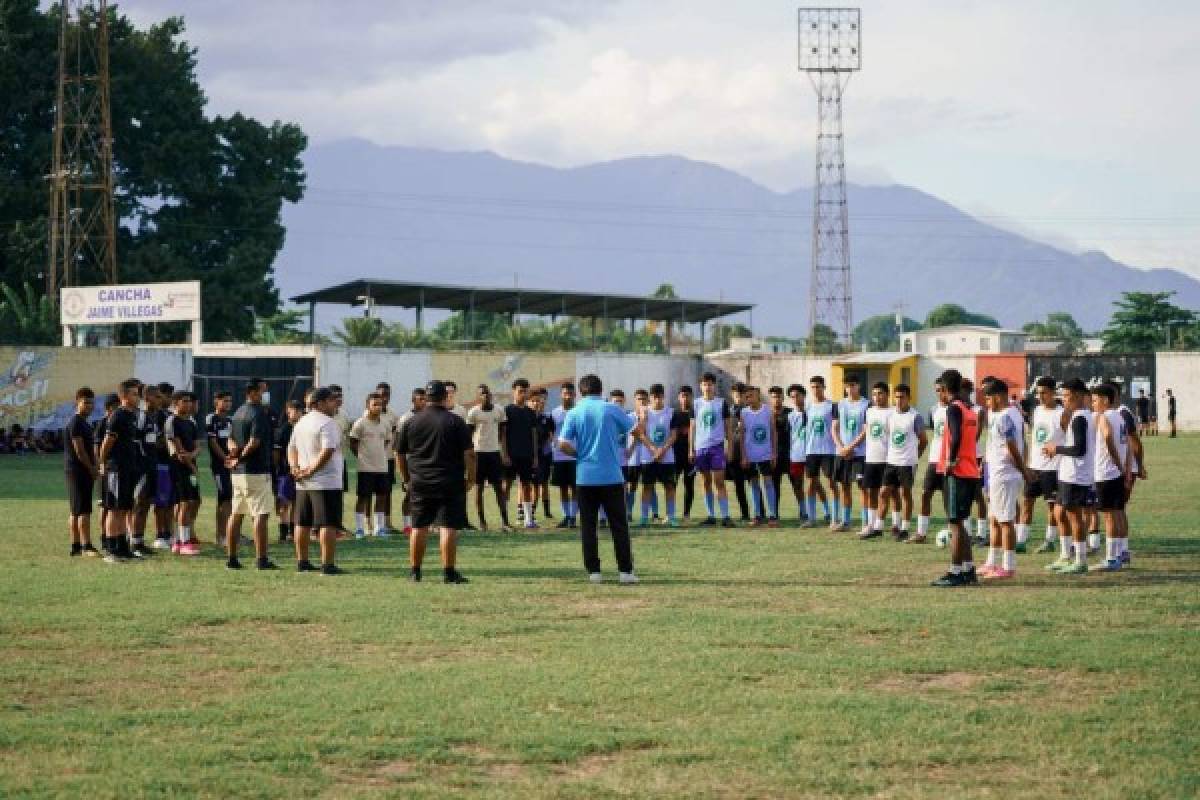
x=906 y=443
x=875 y=460
x=1043 y=481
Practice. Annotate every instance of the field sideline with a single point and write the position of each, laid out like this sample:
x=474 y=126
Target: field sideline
x=774 y=663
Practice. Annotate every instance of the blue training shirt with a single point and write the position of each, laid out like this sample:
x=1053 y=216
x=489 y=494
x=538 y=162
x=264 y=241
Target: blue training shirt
x=597 y=428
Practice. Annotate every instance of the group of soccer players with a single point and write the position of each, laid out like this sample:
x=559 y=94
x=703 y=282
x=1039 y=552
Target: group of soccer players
x=1083 y=459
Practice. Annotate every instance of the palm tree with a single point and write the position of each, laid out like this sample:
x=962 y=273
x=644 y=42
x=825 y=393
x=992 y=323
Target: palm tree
x=27 y=318
x=281 y=328
x=360 y=332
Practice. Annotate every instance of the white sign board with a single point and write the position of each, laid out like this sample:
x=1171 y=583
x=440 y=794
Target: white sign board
x=139 y=302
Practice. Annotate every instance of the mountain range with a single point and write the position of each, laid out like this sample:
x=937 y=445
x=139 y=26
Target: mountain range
x=626 y=226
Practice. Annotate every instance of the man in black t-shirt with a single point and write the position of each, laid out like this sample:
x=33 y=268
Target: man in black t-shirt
x=1171 y=412
x=1143 y=412
x=218 y=427
x=783 y=440
x=121 y=467
x=733 y=470
x=249 y=460
x=285 y=483
x=433 y=451
x=681 y=423
x=182 y=435
x=520 y=432
x=79 y=449
x=545 y=450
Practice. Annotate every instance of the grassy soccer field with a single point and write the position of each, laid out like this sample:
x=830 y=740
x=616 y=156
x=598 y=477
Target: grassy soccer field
x=781 y=663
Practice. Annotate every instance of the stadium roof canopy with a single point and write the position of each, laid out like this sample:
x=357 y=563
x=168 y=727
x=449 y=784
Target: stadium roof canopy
x=539 y=302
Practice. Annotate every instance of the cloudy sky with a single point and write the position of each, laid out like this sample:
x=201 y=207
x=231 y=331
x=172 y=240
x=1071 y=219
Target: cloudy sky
x=1075 y=121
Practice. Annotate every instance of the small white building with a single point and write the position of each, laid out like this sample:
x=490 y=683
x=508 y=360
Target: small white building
x=962 y=340
x=759 y=344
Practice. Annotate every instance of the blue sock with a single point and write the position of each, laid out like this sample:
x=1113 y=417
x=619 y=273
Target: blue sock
x=837 y=510
x=574 y=509
x=847 y=513
x=772 y=499
x=756 y=497
x=654 y=503
x=825 y=505
x=645 y=511
x=603 y=515
x=629 y=501
x=724 y=505
x=566 y=507
x=670 y=509
x=708 y=503
x=810 y=505
x=864 y=517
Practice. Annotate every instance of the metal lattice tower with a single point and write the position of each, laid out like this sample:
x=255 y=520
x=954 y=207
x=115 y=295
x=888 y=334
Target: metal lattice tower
x=830 y=50
x=82 y=223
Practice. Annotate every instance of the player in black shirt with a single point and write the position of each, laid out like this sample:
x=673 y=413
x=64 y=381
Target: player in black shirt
x=183 y=435
x=149 y=436
x=218 y=427
x=120 y=465
x=79 y=447
x=681 y=423
x=1171 y=412
x=111 y=401
x=250 y=461
x=285 y=483
x=733 y=471
x=520 y=432
x=783 y=442
x=545 y=450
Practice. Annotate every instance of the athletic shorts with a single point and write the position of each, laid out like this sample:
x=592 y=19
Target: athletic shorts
x=164 y=486
x=369 y=484
x=489 y=468
x=848 y=470
x=959 y=494
x=797 y=469
x=545 y=469
x=783 y=465
x=520 y=468
x=185 y=484
x=711 y=459
x=759 y=469
x=80 y=486
x=658 y=473
x=934 y=481
x=563 y=474
x=1073 y=496
x=122 y=489
x=898 y=476
x=1044 y=484
x=252 y=494
x=439 y=509
x=285 y=489
x=321 y=508
x=632 y=473
x=1002 y=498
x=814 y=465
x=224 y=484
x=1110 y=494
x=733 y=467
x=1091 y=499
x=872 y=475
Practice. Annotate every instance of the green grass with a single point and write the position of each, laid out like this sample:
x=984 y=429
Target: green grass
x=781 y=663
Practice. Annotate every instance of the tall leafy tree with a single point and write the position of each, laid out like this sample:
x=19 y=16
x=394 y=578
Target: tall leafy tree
x=1143 y=321
x=1058 y=325
x=880 y=333
x=823 y=340
x=27 y=316
x=953 y=314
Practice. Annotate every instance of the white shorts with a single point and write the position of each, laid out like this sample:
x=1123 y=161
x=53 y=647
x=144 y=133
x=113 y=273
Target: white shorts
x=252 y=495
x=1002 y=498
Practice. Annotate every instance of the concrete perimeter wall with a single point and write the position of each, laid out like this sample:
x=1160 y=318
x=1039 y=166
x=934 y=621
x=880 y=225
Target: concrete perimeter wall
x=1179 y=372
x=765 y=370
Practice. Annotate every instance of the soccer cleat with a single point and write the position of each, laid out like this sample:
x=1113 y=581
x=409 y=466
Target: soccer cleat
x=949 y=580
x=141 y=551
x=176 y=546
x=595 y=577
x=1074 y=569
x=709 y=522
x=919 y=538
x=414 y=574
x=1111 y=565
x=1048 y=546
x=115 y=558
x=627 y=578
x=772 y=522
x=189 y=548
x=999 y=573
x=871 y=533
x=1126 y=558
x=408 y=530
x=564 y=523
x=76 y=550
x=757 y=522
x=162 y=543
x=532 y=526
x=359 y=533
x=728 y=523
x=382 y=533
x=233 y=563
x=332 y=569
x=1021 y=547
x=986 y=570
x=453 y=576
x=1055 y=566
x=895 y=531
x=970 y=577
x=900 y=535
x=265 y=564
x=674 y=523
x=305 y=566
x=574 y=522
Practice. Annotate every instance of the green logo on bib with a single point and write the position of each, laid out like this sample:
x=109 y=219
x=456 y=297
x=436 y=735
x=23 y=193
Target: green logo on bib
x=759 y=435
x=940 y=429
x=899 y=438
x=798 y=433
x=876 y=430
x=1042 y=434
x=818 y=427
x=708 y=419
x=658 y=435
x=852 y=424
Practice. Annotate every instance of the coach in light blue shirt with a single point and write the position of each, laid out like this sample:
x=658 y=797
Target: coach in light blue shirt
x=593 y=432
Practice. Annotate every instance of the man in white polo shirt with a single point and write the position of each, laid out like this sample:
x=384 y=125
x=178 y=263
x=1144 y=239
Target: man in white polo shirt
x=315 y=457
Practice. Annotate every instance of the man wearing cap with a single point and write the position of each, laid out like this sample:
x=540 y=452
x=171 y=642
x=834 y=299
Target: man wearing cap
x=433 y=450
x=593 y=432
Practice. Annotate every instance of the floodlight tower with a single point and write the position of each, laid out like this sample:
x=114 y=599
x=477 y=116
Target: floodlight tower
x=82 y=219
x=830 y=50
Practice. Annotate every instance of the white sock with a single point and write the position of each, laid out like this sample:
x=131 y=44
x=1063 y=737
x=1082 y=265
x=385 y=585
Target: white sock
x=1010 y=560
x=878 y=523
x=1022 y=533
x=1081 y=552
x=991 y=559
x=528 y=508
x=871 y=515
x=360 y=520
x=981 y=527
x=904 y=524
x=185 y=533
x=956 y=569
x=922 y=525
x=1122 y=545
x=380 y=520
x=968 y=566
x=1093 y=540
x=895 y=519
x=1064 y=547
x=1051 y=533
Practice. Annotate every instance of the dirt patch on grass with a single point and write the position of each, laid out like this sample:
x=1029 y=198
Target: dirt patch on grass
x=940 y=681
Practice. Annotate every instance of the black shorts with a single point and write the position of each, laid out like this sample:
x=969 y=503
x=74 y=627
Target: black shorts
x=959 y=494
x=848 y=470
x=934 y=481
x=186 y=485
x=783 y=465
x=544 y=469
x=145 y=479
x=872 y=475
x=896 y=476
x=391 y=475
x=442 y=509
x=1073 y=496
x=80 y=486
x=121 y=488
x=489 y=468
x=814 y=465
x=733 y=466
x=563 y=474
x=1111 y=494
x=320 y=508
x=224 y=484
x=759 y=469
x=632 y=473
x=1044 y=484
x=520 y=468
x=658 y=473
x=369 y=484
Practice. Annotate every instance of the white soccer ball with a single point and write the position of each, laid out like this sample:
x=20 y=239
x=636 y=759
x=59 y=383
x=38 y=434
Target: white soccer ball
x=943 y=537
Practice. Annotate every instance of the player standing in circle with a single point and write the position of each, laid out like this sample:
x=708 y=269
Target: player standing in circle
x=486 y=421
x=250 y=461
x=1075 y=476
x=906 y=443
x=218 y=427
x=371 y=440
x=521 y=447
x=1138 y=470
x=850 y=437
x=758 y=456
x=314 y=455
x=79 y=448
x=710 y=437
x=182 y=436
x=545 y=449
x=934 y=481
x=1143 y=413
x=658 y=455
x=981 y=522
x=285 y=482
x=1113 y=472
x=1043 y=480
x=798 y=446
x=681 y=422
x=783 y=443
x=820 y=449
x=121 y=467
x=733 y=470
x=1007 y=475
x=875 y=460
x=958 y=463
x=563 y=471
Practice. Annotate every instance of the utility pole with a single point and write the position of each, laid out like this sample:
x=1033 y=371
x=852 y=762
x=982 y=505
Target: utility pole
x=83 y=241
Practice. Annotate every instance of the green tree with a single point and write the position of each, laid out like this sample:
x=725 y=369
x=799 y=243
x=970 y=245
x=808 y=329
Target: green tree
x=880 y=334
x=198 y=198
x=952 y=314
x=402 y=337
x=722 y=333
x=281 y=328
x=1142 y=321
x=1061 y=326
x=27 y=317
x=360 y=332
x=823 y=340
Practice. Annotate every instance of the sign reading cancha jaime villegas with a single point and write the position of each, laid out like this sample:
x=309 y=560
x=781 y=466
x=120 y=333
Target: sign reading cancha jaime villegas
x=138 y=302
